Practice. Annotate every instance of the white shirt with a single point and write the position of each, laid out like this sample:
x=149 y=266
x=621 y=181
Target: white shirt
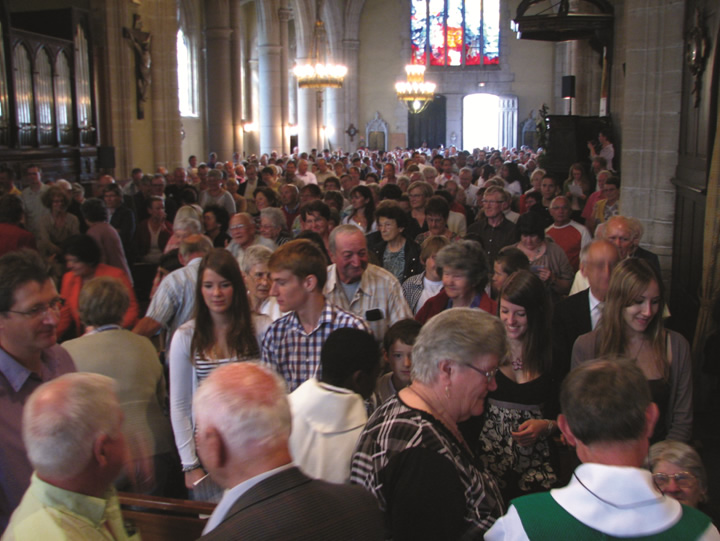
x=596 y=307
x=326 y=424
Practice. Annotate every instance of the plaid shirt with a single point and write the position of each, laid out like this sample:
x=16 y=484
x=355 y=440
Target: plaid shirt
x=295 y=354
x=379 y=290
x=391 y=437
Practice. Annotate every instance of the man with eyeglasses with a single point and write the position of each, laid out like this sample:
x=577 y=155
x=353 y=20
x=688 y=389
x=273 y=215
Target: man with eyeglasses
x=29 y=356
x=493 y=230
x=242 y=232
x=608 y=416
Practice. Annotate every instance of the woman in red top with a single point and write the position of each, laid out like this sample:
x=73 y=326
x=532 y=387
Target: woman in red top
x=463 y=268
x=82 y=257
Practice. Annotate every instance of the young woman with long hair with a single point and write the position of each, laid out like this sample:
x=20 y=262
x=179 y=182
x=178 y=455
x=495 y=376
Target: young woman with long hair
x=632 y=326
x=363 y=212
x=224 y=330
x=515 y=438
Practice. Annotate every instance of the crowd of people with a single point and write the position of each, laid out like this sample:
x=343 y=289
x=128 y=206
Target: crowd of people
x=372 y=345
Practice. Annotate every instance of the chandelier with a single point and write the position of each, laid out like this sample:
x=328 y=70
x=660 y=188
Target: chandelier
x=415 y=93
x=317 y=74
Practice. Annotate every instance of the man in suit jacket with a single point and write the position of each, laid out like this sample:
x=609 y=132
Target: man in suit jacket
x=242 y=432
x=580 y=313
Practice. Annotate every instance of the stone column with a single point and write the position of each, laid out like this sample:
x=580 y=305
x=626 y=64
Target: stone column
x=351 y=48
x=269 y=72
x=236 y=60
x=219 y=80
x=651 y=120
x=284 y=17
x=164 y=87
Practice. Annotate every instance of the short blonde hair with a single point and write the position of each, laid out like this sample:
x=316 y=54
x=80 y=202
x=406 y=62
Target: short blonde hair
x=103 y=301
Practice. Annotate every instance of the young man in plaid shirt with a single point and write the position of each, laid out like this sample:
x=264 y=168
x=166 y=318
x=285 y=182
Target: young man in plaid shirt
x=293 y=343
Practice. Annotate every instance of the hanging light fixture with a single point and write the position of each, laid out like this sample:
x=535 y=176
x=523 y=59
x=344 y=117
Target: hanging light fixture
x=415 y=93
x=317 y=74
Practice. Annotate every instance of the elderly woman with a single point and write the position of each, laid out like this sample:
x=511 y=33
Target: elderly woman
x=437 y=212
x=547 y=260
x=397 y=254
x=678 y=472
x=257 y=279
x=132 y=361
x=464 y=271
x=418 y=288
x=56 y=227
x=82 y=257
x=272 y=225
x=411 y=455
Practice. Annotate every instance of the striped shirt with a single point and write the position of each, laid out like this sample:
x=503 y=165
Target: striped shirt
x=295 y=354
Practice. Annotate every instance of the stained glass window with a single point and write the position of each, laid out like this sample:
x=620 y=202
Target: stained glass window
x=455 y=32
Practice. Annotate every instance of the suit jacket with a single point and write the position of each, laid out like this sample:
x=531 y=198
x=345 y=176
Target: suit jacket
x=290 y=505
x=571 y=318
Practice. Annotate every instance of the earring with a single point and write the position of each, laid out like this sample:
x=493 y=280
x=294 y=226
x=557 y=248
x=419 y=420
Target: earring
x=447 y=391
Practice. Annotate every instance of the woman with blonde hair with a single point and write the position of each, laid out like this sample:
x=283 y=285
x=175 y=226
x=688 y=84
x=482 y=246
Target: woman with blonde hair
x=632 y=326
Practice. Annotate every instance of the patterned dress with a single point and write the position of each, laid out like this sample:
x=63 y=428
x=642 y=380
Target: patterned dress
x=518 y=470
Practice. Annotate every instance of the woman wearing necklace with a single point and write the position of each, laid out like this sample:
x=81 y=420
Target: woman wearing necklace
x=519 y=419
x=222 y=331
x=411 y=455
x=363 y=209
x=632 y=326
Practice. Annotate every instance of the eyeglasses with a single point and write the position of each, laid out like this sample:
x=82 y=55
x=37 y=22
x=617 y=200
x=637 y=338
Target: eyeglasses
x=239 y=226
x=684 y=479
x=490 y=374
x=41 y=310
x=491 y=202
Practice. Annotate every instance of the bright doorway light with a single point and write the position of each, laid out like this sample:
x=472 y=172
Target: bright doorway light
x=481 y=114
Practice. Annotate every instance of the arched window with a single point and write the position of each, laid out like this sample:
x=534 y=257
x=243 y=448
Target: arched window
x=455 y=32
x=187 y=91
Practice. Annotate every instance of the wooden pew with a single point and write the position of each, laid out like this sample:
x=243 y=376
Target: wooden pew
x=164 y=519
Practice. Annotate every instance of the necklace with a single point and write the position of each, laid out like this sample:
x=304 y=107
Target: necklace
x=441 y=417
x=644 y=503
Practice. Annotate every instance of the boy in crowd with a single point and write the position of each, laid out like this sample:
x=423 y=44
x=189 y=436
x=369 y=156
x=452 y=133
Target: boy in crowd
x=397 y=353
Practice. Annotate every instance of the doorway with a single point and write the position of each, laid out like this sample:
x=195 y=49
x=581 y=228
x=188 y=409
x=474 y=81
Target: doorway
x=489 y=121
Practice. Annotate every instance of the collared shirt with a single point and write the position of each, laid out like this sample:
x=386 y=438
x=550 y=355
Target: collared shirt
x=233 y=494
x=617 y=486
x=379 y=300
x=493 y=239
x=596 y=308
x=294 y=353
x=34 y=208
x=239 y=253
x=16 y=385
x=50 y=512
x=174 y=299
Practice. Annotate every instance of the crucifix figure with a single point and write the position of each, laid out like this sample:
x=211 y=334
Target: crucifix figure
x=140 y=41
